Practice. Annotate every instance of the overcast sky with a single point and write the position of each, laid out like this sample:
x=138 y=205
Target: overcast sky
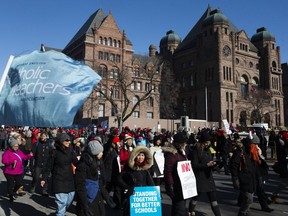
x=26 y=24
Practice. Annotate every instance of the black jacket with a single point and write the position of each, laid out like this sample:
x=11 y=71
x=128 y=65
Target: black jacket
x=203 y=173
x=89 y=167
x=243 y=168
x=60 y=165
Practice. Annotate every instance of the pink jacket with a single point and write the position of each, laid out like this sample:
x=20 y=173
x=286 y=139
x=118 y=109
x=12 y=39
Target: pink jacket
x=8 y=158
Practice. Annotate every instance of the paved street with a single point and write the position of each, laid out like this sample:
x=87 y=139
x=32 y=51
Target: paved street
x=38 y=205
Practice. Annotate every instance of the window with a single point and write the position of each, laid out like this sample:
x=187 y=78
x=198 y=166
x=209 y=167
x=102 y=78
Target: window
x=149 y=115
x=100 y=55
x=150 y=102
x=139 y=86
x=244 y=86
x=274 y=65
x=116 y=73
x=105 y=41
x=135 y=100
x=100 y=40
x=118 y=58
x=106 y=56
x=114 y=43
x=112 y=57
x=227 y=96
x=110 y=41
x=136 y=72
x=102 y=71
x=250 y=64
x=101 y=110
x=191 y=80
x=118 y=43
x=237 y=61
x=133 y=86
x=116 y=92
x=147 y=87
x=111 y=76
x=136 y=114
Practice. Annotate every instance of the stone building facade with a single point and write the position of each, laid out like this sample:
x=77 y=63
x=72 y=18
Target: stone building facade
x=107 y=50
x=217 y=66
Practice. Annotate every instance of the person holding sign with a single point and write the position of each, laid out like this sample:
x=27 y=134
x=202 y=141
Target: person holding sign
x=173 y=155
x=203 y=165
x=136 y=173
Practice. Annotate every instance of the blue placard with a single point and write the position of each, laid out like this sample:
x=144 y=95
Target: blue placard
x=146 y=201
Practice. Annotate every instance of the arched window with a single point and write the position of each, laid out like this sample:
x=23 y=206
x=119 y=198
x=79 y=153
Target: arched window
x=255 y=81
x=244 y=86
x=109 y=41
x=118 y=43
x=102 y=71
x=100 y=40
x=274 y=65
x=105 y=41
x=114 y=43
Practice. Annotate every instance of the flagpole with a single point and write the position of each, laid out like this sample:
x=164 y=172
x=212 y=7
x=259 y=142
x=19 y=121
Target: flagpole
x=5 y=73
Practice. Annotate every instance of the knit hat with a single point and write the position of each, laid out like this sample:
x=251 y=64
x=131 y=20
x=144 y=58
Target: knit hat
x=63 y=136
x=13 y=142
x=116 y=139
x=255 y=139
x=128 y=136
x=94 y=147
x=179 y=138
x=204 y=136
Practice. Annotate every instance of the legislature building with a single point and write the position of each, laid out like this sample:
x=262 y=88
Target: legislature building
x=216 y=72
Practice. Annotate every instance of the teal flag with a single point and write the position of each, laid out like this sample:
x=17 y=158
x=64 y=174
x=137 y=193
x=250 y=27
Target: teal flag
x=45 y=89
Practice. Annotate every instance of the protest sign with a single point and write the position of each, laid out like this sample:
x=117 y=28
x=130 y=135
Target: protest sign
x=187 y=179
x=146 y=201
x=45 y=89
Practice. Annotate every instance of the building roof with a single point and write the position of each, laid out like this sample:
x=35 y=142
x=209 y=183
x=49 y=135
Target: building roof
x=96 y=19
x=262 y=35
x=209 y=17
x=170 y=37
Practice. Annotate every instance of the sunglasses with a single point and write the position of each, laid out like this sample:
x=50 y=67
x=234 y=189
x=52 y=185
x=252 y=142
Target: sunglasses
x=67 y=140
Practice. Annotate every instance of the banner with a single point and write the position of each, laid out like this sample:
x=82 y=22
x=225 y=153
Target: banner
x=45 y=89
x=227 y=127
x=187 y=179
x=146 y=201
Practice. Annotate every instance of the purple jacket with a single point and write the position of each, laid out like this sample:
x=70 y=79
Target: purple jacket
x=8 y=158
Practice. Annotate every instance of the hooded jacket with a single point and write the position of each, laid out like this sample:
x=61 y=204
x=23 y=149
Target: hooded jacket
x=135 y=175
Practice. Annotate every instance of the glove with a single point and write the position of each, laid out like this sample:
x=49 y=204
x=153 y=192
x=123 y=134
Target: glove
x=87 y=211
x=170 y=191
x=236 y=184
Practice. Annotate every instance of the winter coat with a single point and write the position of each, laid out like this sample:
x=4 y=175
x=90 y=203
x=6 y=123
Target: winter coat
x=8 y=158
x=172 y=156
x=203 y=173
x=89 y=168
x=109 y=161
x=41 y=152
x=245 y=172
x=134 y=175
x=59 y=163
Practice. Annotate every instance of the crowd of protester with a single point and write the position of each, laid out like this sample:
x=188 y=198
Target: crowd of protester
x=88 y=164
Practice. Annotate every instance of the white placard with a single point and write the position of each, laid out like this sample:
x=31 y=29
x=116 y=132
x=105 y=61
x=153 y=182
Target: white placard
x=187 y=179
